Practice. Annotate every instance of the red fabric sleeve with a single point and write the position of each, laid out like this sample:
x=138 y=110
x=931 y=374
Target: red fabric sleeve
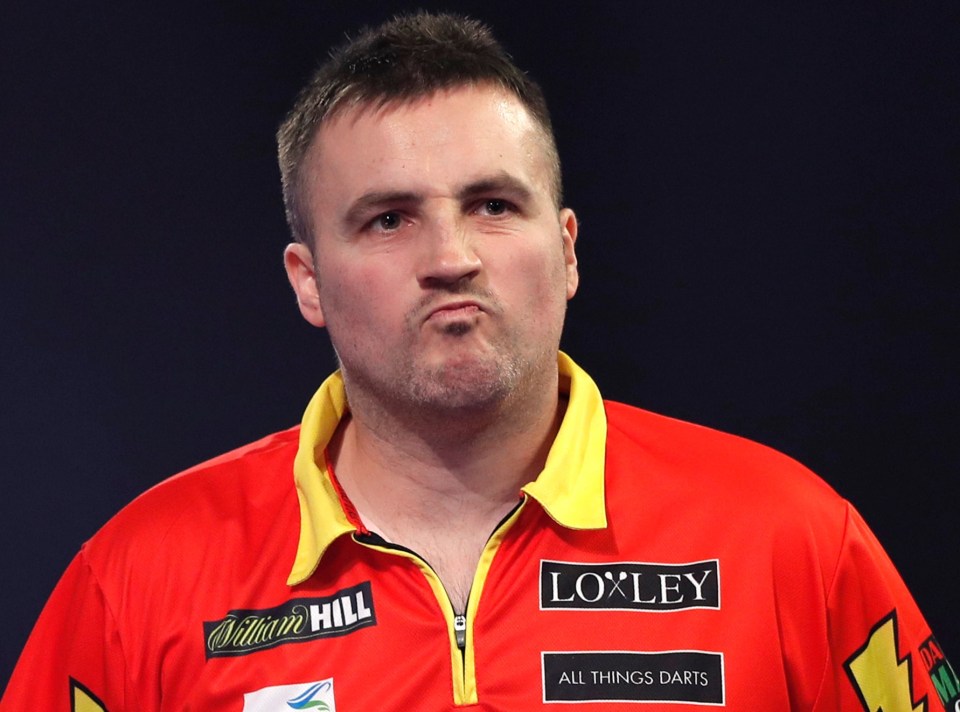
x=74 y=657
x=883 y=653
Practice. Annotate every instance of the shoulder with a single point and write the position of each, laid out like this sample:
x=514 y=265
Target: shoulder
x=239 y=493
x=712 y=466
x=712 y=494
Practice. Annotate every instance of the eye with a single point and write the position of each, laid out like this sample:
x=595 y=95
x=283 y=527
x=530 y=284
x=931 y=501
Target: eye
x=387 y=222
x=495 y=206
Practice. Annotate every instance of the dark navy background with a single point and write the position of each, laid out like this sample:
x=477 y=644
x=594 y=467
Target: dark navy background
x=768 y=199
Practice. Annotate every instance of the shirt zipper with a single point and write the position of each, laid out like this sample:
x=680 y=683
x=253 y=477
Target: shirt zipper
x=370 y=538
x=459 y=619
x=460 y=630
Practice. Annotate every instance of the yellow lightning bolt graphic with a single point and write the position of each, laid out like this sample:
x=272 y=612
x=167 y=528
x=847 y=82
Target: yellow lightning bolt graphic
x=83 y=701
x=883 y=679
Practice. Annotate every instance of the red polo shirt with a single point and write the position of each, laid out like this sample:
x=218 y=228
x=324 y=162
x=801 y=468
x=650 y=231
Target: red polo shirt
x=652 y=562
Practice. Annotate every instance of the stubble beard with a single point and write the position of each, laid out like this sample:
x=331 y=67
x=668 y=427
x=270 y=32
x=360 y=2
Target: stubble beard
x=475 y=382
x=469 y=388
x=453 y=396
x=474 y=379
x=410 y=389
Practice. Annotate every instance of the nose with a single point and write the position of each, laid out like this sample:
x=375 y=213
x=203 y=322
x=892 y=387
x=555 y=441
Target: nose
x=448 y=254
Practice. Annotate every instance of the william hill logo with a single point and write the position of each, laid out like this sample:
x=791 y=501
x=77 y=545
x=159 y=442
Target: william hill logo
x=298 y=620
x=629 y=585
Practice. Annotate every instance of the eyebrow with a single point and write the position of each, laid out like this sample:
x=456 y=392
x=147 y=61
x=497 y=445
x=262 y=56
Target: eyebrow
x=501 y=182
x=376 y=200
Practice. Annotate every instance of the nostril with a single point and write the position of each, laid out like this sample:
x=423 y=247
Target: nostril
x=449 y=262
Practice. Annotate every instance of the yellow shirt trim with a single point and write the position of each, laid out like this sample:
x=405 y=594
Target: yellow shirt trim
x=569 y=488
x=321 y=517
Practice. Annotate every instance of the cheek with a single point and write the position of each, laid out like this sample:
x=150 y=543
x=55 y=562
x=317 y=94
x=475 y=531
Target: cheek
x=548 y=272
x=537 y=283
x=357 y=295
x=337 y=296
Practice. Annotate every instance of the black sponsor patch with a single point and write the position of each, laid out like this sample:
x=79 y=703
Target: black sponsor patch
x=944 y=678
x=629 y=585
x=298 y=620
x=608 y=676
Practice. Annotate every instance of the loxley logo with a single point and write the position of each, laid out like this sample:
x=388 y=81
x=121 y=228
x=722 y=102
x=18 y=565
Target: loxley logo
x=305 y=696
x=629 y=585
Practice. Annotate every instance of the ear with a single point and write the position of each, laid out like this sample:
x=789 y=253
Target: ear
x=568 y=230
x=298 y=261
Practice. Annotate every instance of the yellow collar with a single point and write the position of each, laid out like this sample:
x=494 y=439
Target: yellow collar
x=569 y=488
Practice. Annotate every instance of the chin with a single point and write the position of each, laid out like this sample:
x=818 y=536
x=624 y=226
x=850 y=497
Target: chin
x=465 y=384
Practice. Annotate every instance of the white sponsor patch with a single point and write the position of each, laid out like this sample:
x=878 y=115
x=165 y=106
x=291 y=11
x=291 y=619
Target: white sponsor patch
x=316 y=696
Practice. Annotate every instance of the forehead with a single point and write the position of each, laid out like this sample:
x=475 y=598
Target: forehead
x=438 y=138
x=461 y=98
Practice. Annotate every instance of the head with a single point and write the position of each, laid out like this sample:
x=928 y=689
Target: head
x=423 y=190
x=401 y=61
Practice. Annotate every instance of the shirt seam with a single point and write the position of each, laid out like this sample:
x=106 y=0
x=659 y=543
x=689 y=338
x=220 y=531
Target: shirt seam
x=834 y=577
x=109 y=610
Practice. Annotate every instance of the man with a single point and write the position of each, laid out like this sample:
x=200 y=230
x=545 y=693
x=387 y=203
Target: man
x=460 y=520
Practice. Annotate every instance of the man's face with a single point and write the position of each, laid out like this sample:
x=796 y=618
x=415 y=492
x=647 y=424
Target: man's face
x=443 y=266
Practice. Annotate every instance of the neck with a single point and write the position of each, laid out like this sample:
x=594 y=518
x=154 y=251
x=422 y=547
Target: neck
x=439 y=483
x=466 y=465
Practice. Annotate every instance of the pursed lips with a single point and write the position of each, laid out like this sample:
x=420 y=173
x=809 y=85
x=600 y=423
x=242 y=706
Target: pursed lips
x=454 y=310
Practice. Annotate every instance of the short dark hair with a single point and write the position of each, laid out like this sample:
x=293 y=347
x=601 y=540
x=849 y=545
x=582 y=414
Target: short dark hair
x=406 y=58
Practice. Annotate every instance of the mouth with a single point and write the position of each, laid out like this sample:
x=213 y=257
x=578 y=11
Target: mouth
x=454 y=311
